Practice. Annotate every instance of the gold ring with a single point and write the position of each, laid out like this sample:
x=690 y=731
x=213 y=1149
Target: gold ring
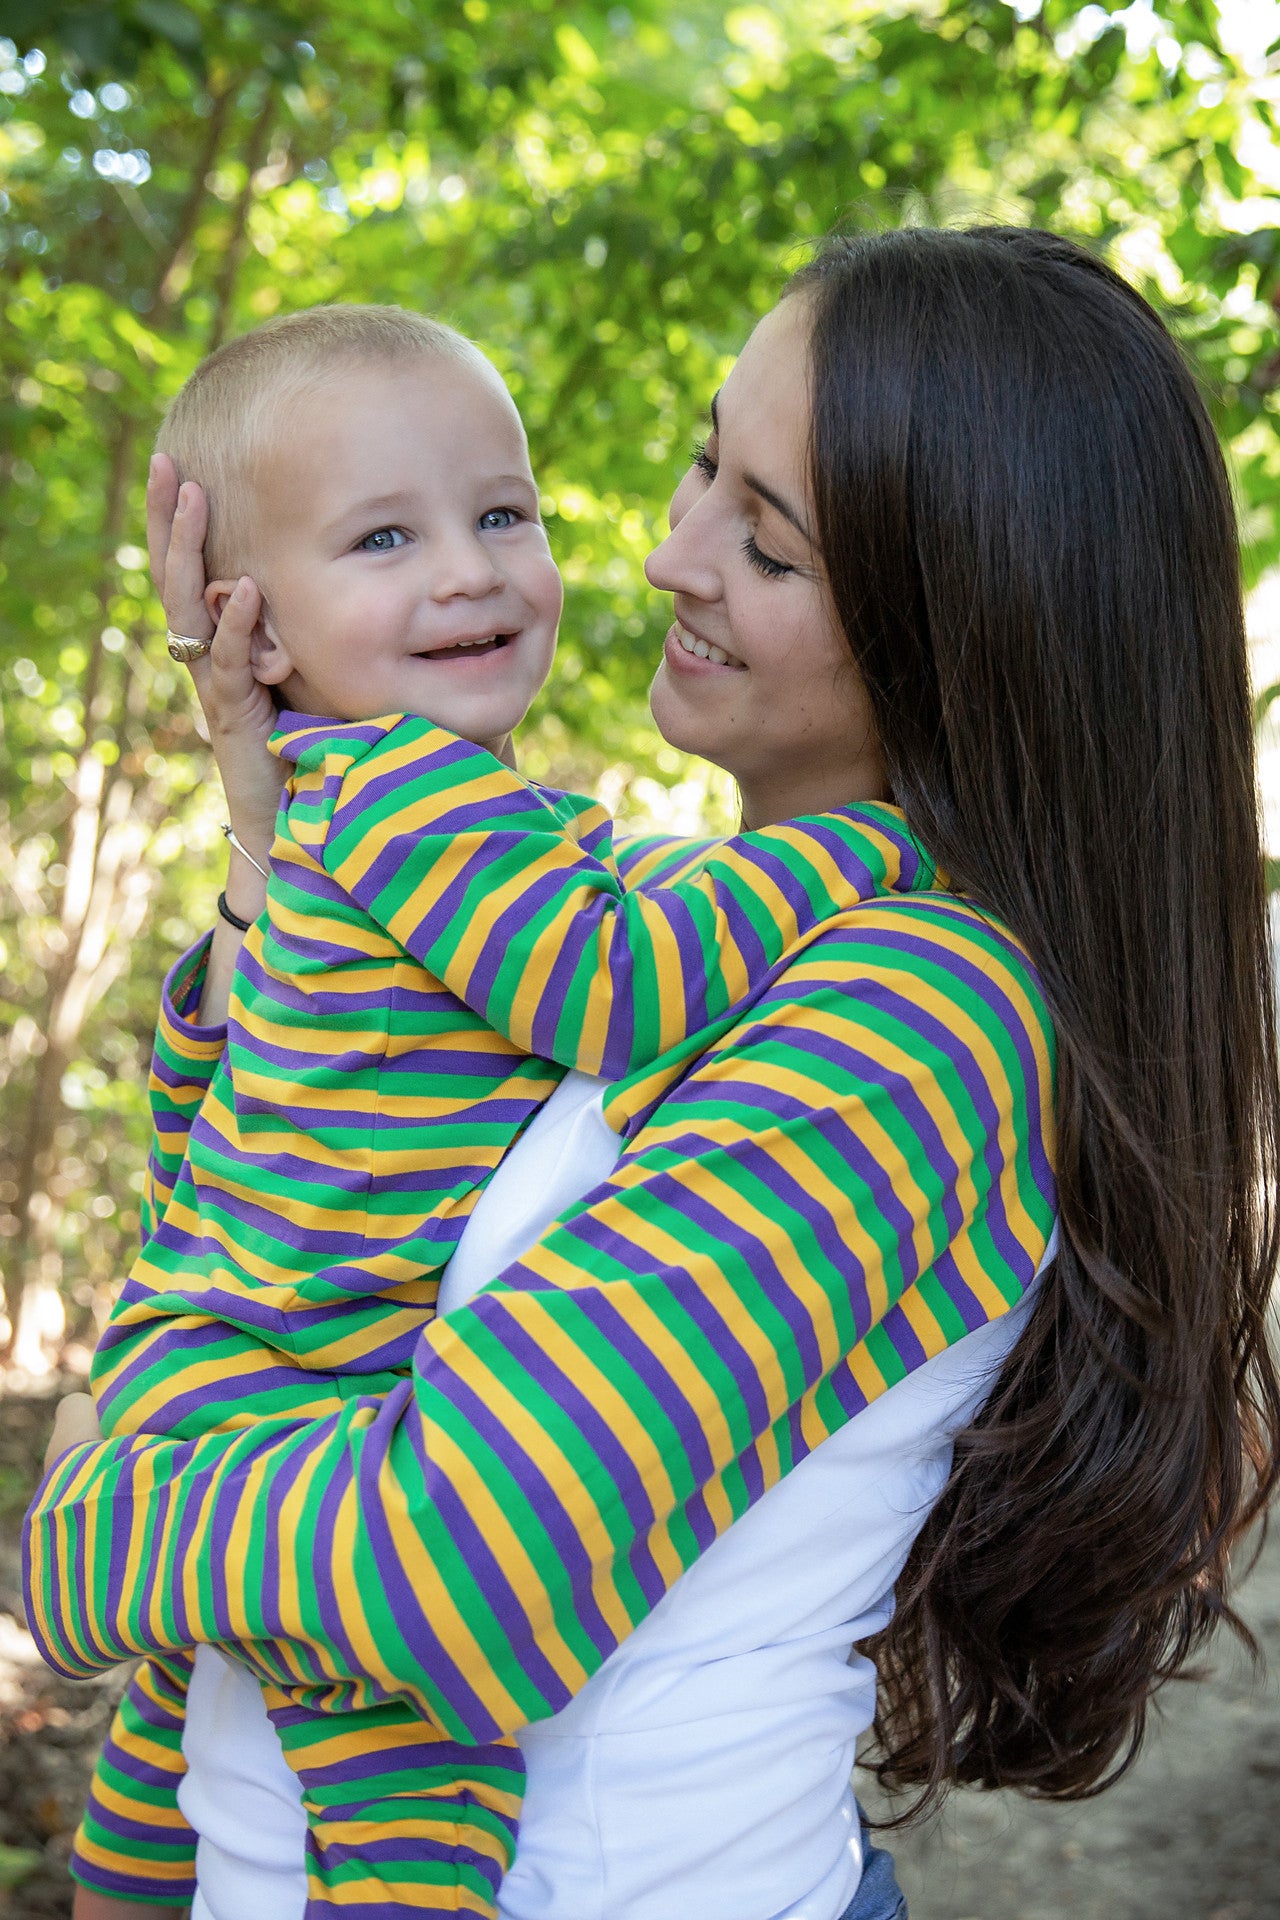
x=184 y=649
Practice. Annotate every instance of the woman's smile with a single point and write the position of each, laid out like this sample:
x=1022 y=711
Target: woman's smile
x=688 y=652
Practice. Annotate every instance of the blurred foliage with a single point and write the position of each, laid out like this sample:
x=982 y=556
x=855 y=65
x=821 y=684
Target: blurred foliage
x=604 y=196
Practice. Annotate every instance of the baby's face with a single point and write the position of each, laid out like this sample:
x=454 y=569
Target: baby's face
x=402 y=561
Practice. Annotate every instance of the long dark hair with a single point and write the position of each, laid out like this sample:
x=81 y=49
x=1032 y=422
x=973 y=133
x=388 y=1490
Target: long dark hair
x=1030 y=539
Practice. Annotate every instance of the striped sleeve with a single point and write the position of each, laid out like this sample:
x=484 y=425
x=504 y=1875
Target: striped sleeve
x=183 y=1063
x=656 y=859
x=861 y=1176
x=517 y=904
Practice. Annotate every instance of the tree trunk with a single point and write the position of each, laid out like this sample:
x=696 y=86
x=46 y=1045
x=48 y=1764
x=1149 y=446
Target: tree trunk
x=67 y=1003
x=104 y=894
x=255 y=154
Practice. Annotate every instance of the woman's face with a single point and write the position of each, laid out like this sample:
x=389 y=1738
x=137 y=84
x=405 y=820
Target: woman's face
x=756 y=674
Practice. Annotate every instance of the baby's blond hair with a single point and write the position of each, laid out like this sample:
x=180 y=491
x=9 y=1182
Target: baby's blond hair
x=232 y=409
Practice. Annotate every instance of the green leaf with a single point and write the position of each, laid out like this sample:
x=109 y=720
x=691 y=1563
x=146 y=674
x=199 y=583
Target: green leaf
x=1233 y=174
x=171 y=21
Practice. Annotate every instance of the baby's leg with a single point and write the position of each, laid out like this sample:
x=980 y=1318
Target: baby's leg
x=133 y=1843
x=400 y=1818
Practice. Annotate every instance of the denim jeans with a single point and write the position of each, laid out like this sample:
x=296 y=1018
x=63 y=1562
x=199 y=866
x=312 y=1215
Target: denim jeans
x=879 y=1896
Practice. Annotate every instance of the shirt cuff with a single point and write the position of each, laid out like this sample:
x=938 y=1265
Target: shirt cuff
x=180 y=998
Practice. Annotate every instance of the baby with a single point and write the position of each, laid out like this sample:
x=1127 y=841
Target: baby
x=441 y=941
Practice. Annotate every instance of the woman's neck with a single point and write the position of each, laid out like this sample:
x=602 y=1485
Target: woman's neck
x=766 y=801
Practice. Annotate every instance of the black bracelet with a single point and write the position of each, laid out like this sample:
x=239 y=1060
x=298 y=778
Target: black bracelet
x=232 y=919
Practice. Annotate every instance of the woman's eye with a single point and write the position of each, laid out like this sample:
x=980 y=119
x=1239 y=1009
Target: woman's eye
x=702 y=460
x=498 y=519
x=382 y=540
x=764 y=562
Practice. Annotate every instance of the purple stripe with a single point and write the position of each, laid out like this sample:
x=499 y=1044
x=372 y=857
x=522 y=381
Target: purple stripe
x=849 y=1396
x=748 y=1252
x=755 y=1262
x=987 y=988
x=903 y=1336
x=296 y=732
x=961 y=1296
x=625 y=1479
x=390 y=865
x=127 y=1886
x=602 y=1313
x=122 y=1827
x=192 y=1341
x=258 y=1217
x=578 y=936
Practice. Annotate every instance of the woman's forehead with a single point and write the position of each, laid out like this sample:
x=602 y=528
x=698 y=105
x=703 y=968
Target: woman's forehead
x=762 y=411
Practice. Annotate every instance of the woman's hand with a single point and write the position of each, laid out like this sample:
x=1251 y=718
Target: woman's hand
x=240 y=712
x=75 y=1422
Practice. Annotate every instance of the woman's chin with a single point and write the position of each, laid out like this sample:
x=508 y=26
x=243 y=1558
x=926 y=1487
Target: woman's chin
x=679 y=722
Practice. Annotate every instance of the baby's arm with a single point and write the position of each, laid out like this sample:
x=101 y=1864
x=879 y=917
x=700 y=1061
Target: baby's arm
x=514 y=900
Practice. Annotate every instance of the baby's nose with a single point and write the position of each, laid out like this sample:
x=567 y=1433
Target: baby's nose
x=463 y=566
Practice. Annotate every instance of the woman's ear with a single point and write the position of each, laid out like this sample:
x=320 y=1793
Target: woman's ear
x=268 y=658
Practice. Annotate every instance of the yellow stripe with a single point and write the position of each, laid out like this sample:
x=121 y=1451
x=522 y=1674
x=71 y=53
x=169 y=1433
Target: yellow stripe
x=408 y=1894
x=163 y=1872
x=132 y=1806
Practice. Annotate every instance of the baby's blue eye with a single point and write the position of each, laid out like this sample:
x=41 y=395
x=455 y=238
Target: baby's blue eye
x=382 y=540
x=498 y=519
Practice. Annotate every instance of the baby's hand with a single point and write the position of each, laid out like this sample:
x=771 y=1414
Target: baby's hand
x=239 y=710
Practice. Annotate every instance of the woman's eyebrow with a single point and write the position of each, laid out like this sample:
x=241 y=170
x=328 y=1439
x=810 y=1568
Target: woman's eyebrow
x=758 y=486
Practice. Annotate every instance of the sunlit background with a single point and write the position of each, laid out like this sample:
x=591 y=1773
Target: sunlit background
x=605 y=196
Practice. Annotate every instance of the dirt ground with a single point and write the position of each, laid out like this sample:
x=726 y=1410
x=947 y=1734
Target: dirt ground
x=1193 y=1833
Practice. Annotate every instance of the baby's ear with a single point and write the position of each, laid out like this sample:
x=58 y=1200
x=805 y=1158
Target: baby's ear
x=270 y=663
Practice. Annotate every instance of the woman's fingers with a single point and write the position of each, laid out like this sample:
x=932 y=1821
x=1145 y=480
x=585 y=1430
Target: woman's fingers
x=177 y=521
x=184 y=580
x=239 y=710
x=230 y=663
x=162 y=498
x=75 y=1422
x=235 y=626
x=242 y=717
x=224 y=676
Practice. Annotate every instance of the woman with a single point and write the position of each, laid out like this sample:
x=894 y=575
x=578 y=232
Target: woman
x=962 y=529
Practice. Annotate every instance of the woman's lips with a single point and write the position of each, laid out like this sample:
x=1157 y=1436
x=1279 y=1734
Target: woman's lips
x=690 y=653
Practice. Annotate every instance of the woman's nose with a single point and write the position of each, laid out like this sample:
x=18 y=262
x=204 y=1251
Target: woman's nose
x=685 y=561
